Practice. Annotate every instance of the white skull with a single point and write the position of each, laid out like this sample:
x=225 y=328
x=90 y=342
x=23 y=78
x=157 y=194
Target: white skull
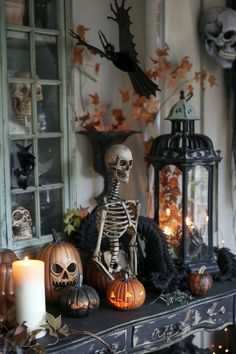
x=119 y=160
x=21 y=223
x=218 y=31
x=22 y=98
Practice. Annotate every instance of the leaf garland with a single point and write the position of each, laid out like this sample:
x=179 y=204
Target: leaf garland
x=13 y=340
x=175 y=76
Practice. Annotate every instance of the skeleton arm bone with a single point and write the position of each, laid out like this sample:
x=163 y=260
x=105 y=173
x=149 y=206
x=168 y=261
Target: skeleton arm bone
x=133 y=243
x=97 y=252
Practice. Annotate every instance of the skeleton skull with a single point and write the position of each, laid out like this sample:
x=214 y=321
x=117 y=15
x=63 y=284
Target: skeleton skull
x=63 y=273
x=21 y=223
x=21 y=97
x=119 y=160
x=218 y=31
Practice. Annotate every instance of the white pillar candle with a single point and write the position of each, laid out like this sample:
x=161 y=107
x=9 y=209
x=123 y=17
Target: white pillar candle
x=29 y=285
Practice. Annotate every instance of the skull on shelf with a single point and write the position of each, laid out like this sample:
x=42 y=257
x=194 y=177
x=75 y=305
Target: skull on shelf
x=21 y=223
x=22 y=97
x=119 y=161
x=217 y=28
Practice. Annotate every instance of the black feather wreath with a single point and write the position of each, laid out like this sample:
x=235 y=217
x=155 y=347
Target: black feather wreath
x=155 y=266
x=227 y=264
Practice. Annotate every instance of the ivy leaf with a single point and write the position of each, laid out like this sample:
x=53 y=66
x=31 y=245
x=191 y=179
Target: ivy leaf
x=20 y=335
x=69 y=229
x=64 y=330
x=54 y=322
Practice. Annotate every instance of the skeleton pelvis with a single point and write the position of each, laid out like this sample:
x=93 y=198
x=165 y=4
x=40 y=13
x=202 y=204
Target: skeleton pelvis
x=121 y=263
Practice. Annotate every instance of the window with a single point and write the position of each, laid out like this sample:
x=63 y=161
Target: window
x=36 y=137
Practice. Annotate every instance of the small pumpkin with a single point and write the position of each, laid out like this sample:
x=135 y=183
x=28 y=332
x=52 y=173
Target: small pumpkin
x=7 y=256
x=62 y=265
x=126 y=294
x=199 y=282
x=79 y=300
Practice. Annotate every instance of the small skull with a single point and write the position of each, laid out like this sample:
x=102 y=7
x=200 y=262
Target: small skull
x=21 y=97
x=21 y=223
x=63 y=273
x=217 y=28
x=119 y=160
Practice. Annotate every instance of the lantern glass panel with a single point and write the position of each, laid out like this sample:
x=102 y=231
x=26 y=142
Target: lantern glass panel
x=170 y=207
x=197 y=213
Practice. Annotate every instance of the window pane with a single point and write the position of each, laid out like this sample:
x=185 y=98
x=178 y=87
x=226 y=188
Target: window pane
x=51 y=211
x=170 y=211
x=48 y=110
x=18 y=52
x=20 y=108
x=197 y=219
x=22 y=164
x=23 y=216
x=49 y=155
x=16 y=12
x=46 y=13
x=46 y=57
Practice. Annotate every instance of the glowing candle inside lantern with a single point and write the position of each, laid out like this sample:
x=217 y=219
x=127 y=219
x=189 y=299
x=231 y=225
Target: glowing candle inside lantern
x=167 y=230
x=29 y=285
x=168 y=211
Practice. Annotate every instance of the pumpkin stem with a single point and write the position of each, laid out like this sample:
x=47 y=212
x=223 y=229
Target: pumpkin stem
x=55 y=236
x=126 y=277
x=79 y=280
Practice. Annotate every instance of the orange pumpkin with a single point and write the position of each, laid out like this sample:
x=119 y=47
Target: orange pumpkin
x=6 y=279
x=95 y=277
x=62 y=265
x=126 y=294
x=7 y=300
x=199 y=282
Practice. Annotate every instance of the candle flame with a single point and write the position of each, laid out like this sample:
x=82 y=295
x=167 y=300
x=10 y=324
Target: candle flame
x=168 y=211
x=188 y=221
x=207 y=218
x=167 y=230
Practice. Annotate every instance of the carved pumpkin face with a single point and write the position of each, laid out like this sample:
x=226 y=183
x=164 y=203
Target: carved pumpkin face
x=79 y=300
x=126 y=294
x=62 y=265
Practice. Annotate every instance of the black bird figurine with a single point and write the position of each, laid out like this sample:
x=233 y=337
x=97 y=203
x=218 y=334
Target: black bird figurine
x=126 y=59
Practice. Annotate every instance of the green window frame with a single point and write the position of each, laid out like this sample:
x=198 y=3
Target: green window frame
x=59 y=140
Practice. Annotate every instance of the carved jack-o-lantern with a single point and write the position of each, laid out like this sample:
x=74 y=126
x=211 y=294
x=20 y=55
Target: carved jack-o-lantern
x=62 y=265
x=126 y=294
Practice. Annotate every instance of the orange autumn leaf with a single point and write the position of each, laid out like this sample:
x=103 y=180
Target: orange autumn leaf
x=81 y=30
x=78 y=55
x=162 y=52
x=84 y=118
x=125 y=96
x=160 y=72
x=212 y=80
x=140 y=101
x=136 y=112
x=147 y=117
x=166 y=64
x=190 y=89
x=173 y=182
x=97 y=68
x=95 y=98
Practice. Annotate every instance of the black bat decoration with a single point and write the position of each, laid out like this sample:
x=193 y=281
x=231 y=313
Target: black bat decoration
x=126 y=59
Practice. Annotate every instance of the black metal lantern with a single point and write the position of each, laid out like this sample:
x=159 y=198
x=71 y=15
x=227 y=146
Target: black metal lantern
x=186 y=167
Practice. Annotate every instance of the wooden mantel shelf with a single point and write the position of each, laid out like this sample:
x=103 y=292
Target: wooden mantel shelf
x=152 y=327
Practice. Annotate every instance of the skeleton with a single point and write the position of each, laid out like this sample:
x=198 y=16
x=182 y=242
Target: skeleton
x=22 y=98
x=21 y=223
x=116 y=216
x=218 y=31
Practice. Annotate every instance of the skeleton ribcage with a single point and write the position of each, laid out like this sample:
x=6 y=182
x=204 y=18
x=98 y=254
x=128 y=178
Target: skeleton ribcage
x=120 y=217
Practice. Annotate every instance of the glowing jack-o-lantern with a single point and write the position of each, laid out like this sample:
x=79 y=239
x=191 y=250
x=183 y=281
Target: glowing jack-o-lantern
x=126 y=294
x=62 y=266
